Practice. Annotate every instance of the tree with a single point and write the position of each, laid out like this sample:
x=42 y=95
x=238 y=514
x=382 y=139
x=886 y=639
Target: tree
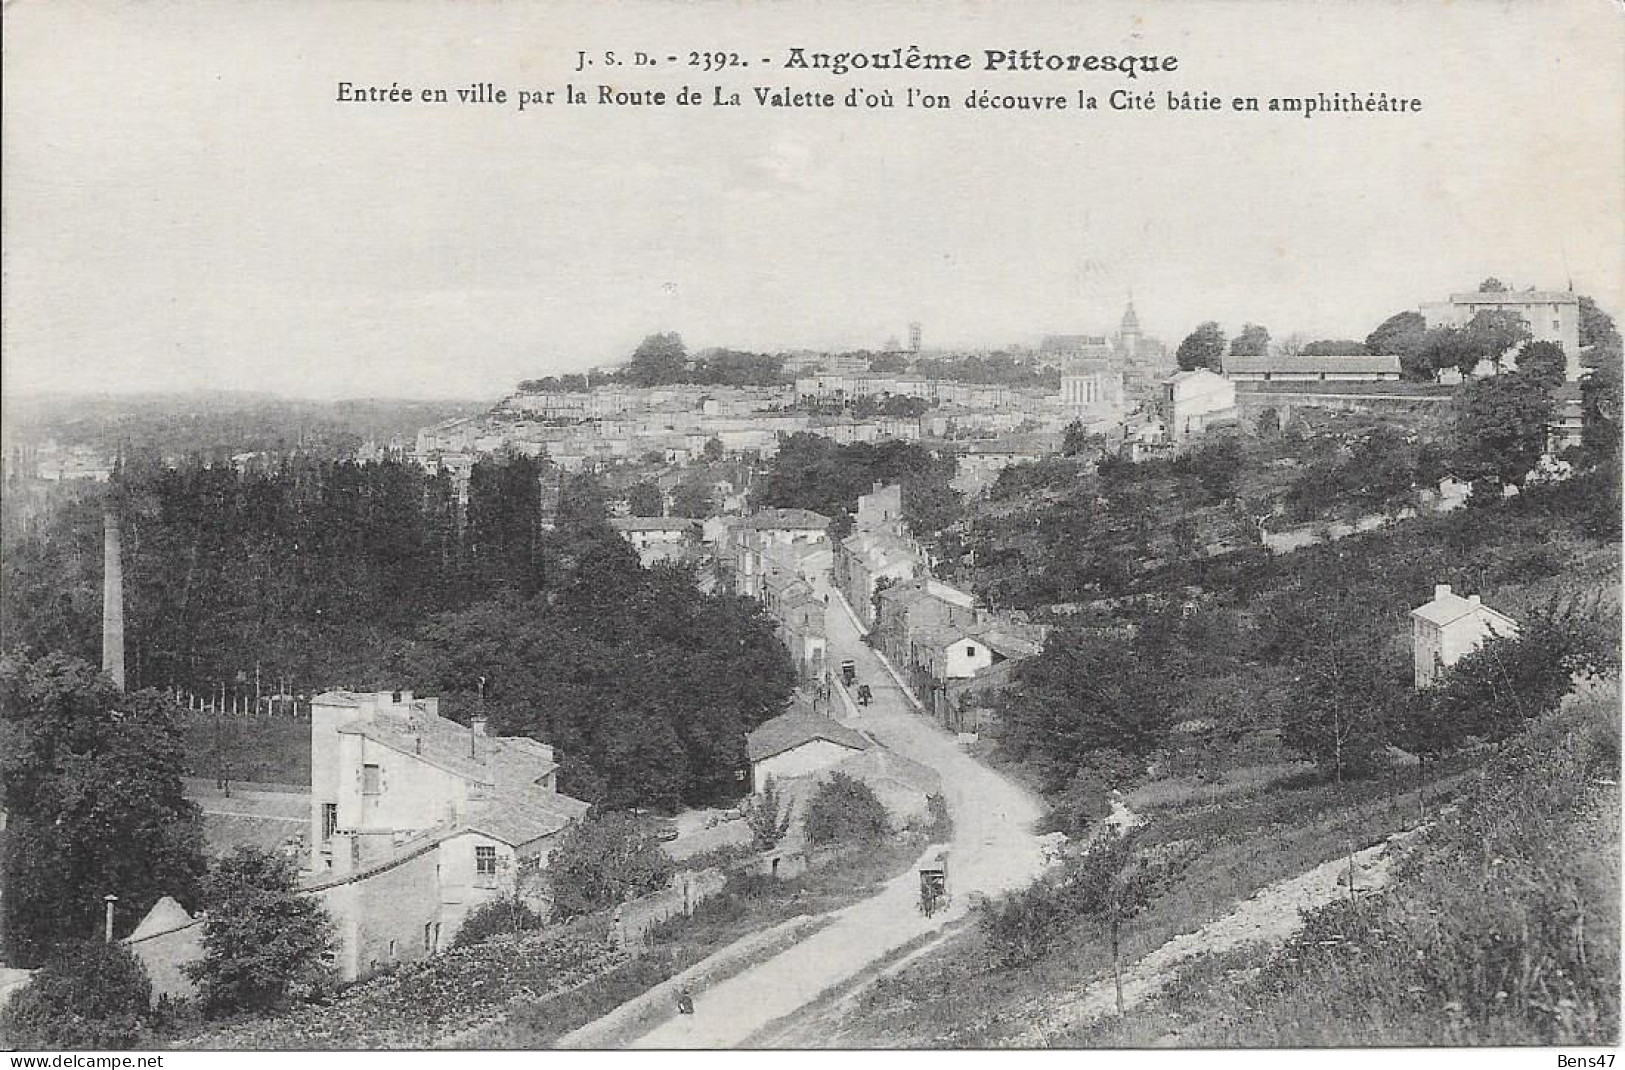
x=583 y=501
x=1253 y=341
x=1076 y=439
x=659 y=360
x=95 y=799
x=1341 y=711
x=1495 y=332
x=1492 y=285
x=888 y=363
x=694 y=498
x=264 y=941
x=713 y=450
x=497 y=917
x=1545 y=362
x=1337 y=347
x=768 y=814
x=1217 y=465
x=89 y=995
x=1500 y=426
x=1600 y=408
x=645 y=499
x=605 y=859
x=844 y=809
x=1597 y=330
x=1202 y=348
x=1087 y=693
x=1405 y=335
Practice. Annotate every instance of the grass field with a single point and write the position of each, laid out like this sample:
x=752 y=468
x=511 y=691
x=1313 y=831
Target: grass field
x=274 y=750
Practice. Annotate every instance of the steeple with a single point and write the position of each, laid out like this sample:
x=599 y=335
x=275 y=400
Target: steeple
x=1131 y=322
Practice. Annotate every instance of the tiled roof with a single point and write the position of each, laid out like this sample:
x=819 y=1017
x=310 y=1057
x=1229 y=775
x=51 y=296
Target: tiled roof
x=784 y=518
x=1349 y=364
x=522 y=816
x=1528 y=297
x=1446 y=609
x=654 y=523
x=790 y=730
x=516 y=807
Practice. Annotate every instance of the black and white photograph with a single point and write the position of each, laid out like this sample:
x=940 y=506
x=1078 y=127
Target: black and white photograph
x=567 y=526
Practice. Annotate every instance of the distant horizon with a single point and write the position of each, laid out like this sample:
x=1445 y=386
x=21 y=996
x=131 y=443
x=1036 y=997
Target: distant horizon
x=199 y=212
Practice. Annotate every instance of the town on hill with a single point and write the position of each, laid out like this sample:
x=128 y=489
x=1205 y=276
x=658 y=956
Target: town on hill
x=1246 y=692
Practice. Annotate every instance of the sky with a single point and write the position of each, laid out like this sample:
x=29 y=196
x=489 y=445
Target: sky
x=189 y=206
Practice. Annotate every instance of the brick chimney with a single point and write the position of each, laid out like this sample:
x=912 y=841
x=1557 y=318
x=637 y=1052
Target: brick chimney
x=1441 y=590
x=112 y=601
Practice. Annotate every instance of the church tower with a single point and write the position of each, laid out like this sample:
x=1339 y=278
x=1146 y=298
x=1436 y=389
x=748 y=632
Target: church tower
x=1128 y=334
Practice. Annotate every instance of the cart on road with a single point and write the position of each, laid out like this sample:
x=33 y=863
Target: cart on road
x=849 y=672
x=934 y=883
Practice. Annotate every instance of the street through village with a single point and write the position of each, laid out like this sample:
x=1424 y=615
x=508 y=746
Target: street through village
x=994 y=849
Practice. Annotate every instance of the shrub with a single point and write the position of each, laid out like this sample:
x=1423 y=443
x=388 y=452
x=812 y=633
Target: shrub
x=845 y=810
x=509 y=914
x=87 y=995
x=768 y=815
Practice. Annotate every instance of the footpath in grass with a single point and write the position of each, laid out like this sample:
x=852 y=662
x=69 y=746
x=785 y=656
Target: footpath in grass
x=1501 y=926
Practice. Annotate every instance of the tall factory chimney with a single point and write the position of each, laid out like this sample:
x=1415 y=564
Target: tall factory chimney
x=112 y=602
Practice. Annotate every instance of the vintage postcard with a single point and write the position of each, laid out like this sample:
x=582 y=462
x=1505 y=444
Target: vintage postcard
x=537 y=524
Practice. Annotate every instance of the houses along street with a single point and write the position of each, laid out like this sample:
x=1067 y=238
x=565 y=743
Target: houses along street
x=994 y=849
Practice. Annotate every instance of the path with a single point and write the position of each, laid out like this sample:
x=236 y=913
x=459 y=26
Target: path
x=1269 y=917
x=994 y=849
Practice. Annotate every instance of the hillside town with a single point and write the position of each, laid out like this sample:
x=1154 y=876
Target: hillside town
x=963 y=603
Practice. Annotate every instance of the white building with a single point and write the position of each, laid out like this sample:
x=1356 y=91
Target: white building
x=1193 y=401
x=1449 y=628
x=1552 y=316
x=415 y=820
x=797 y=743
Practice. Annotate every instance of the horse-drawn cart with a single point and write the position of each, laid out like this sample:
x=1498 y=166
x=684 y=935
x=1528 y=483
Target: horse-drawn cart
x=934 y=883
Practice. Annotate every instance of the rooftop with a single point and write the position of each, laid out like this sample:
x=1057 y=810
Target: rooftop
x=1527 y=297
x=790 y=730
x=782 y=519
x=653 y=523
x=1448 y=607
x=1356 y=363
x=517 y=806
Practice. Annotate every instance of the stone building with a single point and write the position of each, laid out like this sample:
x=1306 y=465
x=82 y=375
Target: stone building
x=1449 y=628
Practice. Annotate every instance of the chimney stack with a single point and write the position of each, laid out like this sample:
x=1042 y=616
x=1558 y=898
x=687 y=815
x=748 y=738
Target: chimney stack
x=112 y=601
x=476 y=732
x=1441 y=590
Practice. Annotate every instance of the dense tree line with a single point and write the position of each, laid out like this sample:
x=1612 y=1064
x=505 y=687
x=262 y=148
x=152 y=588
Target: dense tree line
x=1009 y=369
x=812 y=472
x=94 y=805
x=335 y=574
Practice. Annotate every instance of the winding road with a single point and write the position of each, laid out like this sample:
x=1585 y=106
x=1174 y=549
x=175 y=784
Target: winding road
x=994 y=849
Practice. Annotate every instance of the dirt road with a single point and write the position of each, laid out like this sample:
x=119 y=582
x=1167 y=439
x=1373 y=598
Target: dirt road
x=994 y=849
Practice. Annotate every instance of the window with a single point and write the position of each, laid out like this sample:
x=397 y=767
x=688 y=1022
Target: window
x=485 y=863
x=372 y=780
x=330 y=820
x=428 y=936
x=970 y=651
